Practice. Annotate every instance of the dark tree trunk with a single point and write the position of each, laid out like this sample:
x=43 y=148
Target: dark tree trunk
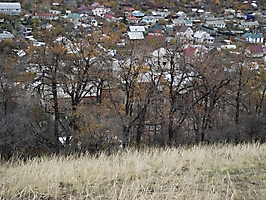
x=56 y=109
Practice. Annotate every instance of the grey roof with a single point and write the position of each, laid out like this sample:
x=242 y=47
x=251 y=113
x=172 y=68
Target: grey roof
x=135 y=35
x=137 y=28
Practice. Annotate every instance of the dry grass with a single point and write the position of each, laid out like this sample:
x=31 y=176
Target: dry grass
x=200 y=172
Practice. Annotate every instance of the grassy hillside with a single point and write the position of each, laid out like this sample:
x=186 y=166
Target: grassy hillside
x=200 y=172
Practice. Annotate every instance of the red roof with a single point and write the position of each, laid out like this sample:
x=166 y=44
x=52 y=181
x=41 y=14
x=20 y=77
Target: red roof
x=132 y=18
x=107 y=16
x=255 y=48
x=189 y=51
x=128 y=8
x=83 y=8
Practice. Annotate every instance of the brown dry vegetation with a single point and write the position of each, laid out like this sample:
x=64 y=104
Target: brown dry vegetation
x=199 y=172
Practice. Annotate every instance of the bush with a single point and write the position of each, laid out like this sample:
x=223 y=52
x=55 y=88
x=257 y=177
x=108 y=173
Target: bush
x=6 y=46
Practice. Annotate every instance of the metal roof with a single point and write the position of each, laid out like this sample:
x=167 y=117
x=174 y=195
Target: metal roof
x=5 y=5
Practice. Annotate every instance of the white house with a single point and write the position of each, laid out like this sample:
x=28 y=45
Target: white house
x=249 y=24
x=8 y=8
x=162 y=14
x=185 y=32
x=45 y=15
x=137 y=28
x=253 y=37
x=215 y=23
x=135 y=35
x=182 y=22
x=98 y=9
x=202 y=36
x=149 y=19
x=136 y=32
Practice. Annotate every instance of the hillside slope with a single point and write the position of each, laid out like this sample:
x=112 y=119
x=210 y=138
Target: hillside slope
x=202 y=172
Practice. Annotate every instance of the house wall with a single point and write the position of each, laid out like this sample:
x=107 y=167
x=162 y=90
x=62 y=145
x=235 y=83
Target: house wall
x=255 y=40
x=217 y=24
x=99 y=11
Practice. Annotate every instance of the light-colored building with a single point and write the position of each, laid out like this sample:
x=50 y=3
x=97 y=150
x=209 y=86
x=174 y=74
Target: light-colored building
x=6 y=35
x=149 y=19
x=184 y=32
x=137 y=28
x=182 y=22
x=98 y=9
x=8 y=8
x=45 y=15
x=249 y=24
x=202 y=37
x=253 y=37
x=215 y=24
x=135 y=35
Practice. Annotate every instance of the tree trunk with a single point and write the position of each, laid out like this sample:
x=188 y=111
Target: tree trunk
x=171 y=127
x=56 y=109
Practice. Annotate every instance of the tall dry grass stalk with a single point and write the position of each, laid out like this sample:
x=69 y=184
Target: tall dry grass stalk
x=199 y=172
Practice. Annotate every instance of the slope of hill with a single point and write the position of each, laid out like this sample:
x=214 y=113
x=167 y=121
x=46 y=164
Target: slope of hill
x=202 y=172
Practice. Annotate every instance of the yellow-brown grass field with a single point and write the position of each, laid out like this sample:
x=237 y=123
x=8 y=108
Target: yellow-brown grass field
x=199 y=172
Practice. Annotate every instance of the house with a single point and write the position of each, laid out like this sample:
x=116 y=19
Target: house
x=132 y=19
x=190 y=51
x=181 y=13
x=137 y=28
x=137 y=13
x=8 y=8
x=156 y=28
x=194 y=50
x=184 y=32
x=215 y=23
x=135 y=35
x=74 y=17
x=45 y=15
x=181 y=21
x=169 y=30
x=161 y=14
x=203 y=37
x=98 y=9
x=254 y=38
x=254 y=50
x=149 y=19
x=109 y=18
x=248 y=24
x=6 y=35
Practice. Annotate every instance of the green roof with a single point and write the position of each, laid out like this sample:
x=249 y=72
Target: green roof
x=256 y=35
x=73 y=15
